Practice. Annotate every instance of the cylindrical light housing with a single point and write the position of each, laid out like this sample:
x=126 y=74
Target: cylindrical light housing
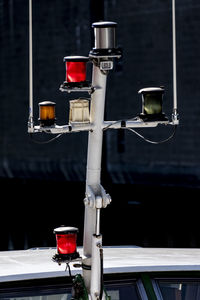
x=47 y=113
x=152 y=101
x=79 y=111
x=75 y=69
x=66 y=242
x=104 y=34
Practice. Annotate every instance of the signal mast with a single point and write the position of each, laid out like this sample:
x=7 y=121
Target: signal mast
x=90 y=118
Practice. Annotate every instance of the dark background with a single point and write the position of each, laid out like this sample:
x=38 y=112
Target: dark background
x=154 y=188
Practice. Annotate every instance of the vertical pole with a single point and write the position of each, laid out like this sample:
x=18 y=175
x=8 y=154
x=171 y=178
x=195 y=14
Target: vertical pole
x=174 y=61
x=30 y=120
x=96 y=284
x=93 y=176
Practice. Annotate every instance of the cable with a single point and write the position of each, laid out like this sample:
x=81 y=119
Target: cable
x=101 y=262
x=141 y=136
x=154 y=142
x=69 y=269
x=45 y=142
x=119 y=121
x=105 y=128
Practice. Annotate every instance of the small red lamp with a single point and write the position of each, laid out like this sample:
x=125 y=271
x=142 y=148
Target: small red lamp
x=75 y=71
x=66 y=244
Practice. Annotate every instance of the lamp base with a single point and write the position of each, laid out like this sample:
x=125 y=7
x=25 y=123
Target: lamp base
x=80 y=84
x=63 y=258
x=47 y=122
x=153 y=117
x=111 y=52
x=83 y=86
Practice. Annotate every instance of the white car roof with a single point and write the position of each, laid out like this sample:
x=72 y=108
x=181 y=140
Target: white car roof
x=37 y=263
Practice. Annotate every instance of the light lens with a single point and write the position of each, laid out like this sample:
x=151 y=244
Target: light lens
x=152 y=103
x=66 y=243
x=79 y=111
x=75 y=71
x=66 y=240
x=47 y=113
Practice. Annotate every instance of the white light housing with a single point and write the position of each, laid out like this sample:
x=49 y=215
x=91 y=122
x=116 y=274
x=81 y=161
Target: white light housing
x=79 y=111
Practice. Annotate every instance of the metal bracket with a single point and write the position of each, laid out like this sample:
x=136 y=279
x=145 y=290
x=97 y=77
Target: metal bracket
x=90 y=89
x=97 y=200
x=106 y=65
x=175 y=117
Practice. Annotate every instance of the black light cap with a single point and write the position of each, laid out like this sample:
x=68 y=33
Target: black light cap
x=104 y=24
x=151 y=90
x=47 y=103
x=76 y=58
x=65 y=230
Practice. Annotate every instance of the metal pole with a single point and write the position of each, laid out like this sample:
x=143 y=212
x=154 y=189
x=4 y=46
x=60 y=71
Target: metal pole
x=175 y=115
x=93 y=175
x=30 y=120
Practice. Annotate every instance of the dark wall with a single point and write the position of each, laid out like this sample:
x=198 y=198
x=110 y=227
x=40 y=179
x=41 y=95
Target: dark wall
x=145 y=33
x=145 y=216
x=63 y=28
x=60 y=28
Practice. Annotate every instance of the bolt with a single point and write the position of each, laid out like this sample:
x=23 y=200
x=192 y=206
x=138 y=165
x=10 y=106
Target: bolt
x=109 y=198
x=85 y=201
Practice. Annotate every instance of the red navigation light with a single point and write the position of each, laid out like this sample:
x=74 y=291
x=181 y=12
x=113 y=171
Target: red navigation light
x=75 y=68
x=66 y=243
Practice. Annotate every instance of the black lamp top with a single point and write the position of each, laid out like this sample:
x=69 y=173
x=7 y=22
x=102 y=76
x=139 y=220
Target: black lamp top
x=76 y=58
x=151 y=90
x=104 y=24
x=65 y=230
x=47 y=103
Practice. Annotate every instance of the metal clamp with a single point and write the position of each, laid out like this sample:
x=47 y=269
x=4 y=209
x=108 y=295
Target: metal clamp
x=97 y=200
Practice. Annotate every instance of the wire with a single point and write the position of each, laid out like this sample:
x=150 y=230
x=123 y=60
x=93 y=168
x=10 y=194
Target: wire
x=69 y=269
x=105 y=128
x=140 y=135
x=119 y=121
x=45 y=142
x=101 y=265
x=153 y=142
